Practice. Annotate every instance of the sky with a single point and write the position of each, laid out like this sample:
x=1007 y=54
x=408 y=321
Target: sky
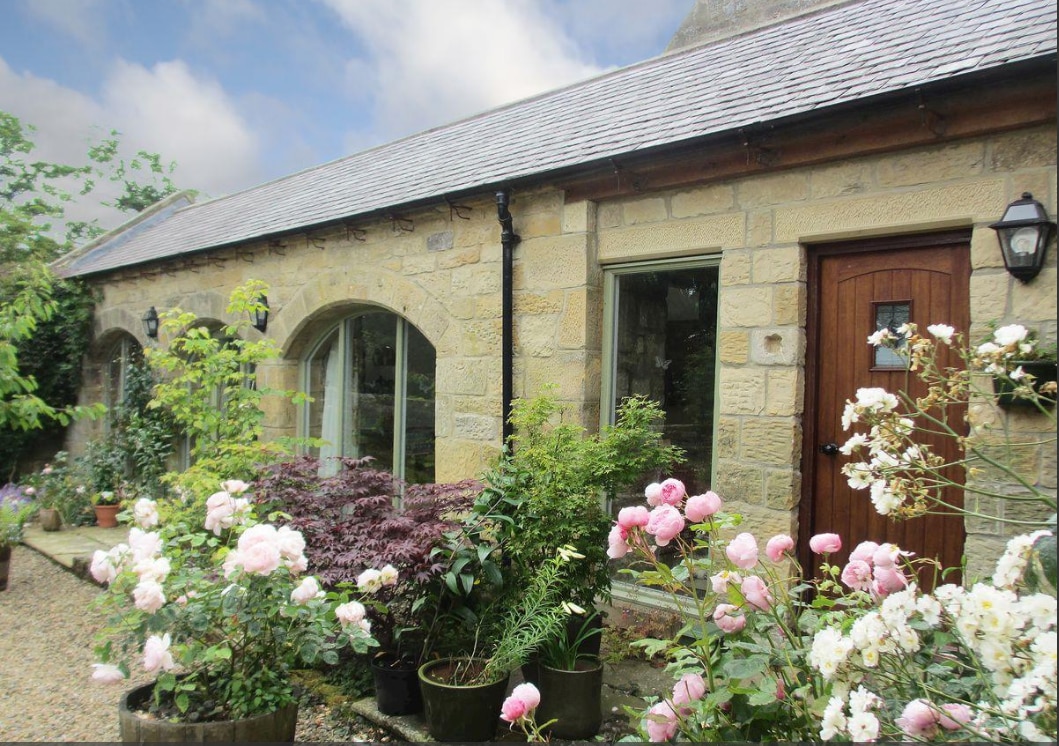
x=240 y=92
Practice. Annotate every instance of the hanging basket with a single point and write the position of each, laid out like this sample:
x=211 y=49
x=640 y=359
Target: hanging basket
x=1043 y=371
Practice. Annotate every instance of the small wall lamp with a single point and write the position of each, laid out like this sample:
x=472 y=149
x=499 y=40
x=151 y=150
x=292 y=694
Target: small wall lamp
x=259 y=315
x=150 y=323
x=1024 y=233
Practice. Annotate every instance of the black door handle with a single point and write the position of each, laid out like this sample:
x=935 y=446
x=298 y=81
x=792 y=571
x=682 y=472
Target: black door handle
x=829 y=449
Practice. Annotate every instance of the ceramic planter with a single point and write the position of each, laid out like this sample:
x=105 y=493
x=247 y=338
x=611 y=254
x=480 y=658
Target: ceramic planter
x=50 y=519
x=456 y=712
x=274 y=727
x=573 y=699
x=396 y=686
x=1043 y=371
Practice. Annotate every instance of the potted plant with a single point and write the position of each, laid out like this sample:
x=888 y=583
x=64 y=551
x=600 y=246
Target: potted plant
x=462 y=695
x=570 y=680
x=106 y=505
x=1023 y=369
x=220 y=612
x=15 y=509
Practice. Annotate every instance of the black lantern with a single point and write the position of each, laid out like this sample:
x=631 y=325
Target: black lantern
x=259 y=315
x=1024 y=233
x=150 y=323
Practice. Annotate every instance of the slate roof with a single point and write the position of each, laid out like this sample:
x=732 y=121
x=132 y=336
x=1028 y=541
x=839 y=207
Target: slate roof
x=839 y=55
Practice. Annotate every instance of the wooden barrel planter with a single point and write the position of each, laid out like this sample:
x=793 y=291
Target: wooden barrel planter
x=274 y=727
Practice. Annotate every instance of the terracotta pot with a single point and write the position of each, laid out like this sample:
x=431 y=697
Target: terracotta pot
x=274 y=727
x=456 y=712
x=107 y=515
x=50 y=519
x=5 y=566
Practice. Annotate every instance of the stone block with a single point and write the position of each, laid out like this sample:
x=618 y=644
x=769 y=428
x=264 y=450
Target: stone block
x=608 y=215
x=1034 y=303
x=770 y=440
x=476 y=427
x=782 y=491
x=1027 y=149
x=776 y=346
x=773 y=189
x=738 y=484
x=649 y=210
x=733 y=347
x=759 y=228
x=458 y=459
x=786 y=392
x=553 y=262
x=467 y=376
x=745 y=306
x=782 y=264
x=741 y=391
x=673 y=238
x=982 y=552
x=704 y=200
x=989 y=294
x=579 y=217
x=440 y=241
x=840 y=179
x=537 y=224
x=985 y=251
x=735 y=268
x=929 y=165
x=981 y=200
x=463 y=257
x=535 y=336
x=726 y=439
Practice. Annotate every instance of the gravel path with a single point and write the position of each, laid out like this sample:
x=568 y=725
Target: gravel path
x=47 y=625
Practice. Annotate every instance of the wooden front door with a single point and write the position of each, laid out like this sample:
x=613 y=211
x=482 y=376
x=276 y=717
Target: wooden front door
x=856 y=287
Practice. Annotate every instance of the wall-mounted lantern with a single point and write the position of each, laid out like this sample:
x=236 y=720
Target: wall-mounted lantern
x=150 y=323
x=1024 y=233
x=259 y=315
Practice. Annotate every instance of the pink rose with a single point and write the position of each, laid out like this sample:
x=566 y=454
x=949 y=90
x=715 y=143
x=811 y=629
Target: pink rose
x=234 y=486
x=259 y=558
x=742 y=551
x=306 y=591
x=661 y=722
x=144 y=545
x=888 y=555
x=350 y=612
x=857 y=575
x=756 y=593
x=633 y=516
x=529 y=694
x=145 y=513
x=888 y=580
x=102 y=568
x=721 y=580
x=918 y=719
x=825 y=543
x=664 y=524
x=671 y=492
x=148 y=596
x=513 y=710
x=617 y=546
x=653 y=493
x=369 y=581
x=864 y=552
x=156 y=655
x=725 y=616
x=106 y=673
x=954 y=715
x=690 y=688
x=700 y=507
x=777 y=546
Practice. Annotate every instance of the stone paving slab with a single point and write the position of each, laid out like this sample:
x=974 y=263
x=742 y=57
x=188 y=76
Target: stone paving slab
x=73 y=546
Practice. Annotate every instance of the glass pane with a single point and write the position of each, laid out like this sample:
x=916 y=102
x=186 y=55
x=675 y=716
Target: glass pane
x=420 y=364
x=373 y=359
x=666 y=349
x=324 y=385
x=891 y=316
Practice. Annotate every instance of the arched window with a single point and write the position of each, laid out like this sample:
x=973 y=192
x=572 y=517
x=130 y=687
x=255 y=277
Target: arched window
x=371 y=378
x=121 y=355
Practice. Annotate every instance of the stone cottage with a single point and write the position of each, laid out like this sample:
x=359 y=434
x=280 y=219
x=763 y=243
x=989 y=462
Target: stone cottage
x=719 y=228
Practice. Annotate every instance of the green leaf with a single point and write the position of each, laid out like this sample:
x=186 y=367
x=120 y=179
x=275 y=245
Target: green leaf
x=744 y=668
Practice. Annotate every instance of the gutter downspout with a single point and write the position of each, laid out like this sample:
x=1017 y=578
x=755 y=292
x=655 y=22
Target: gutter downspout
x=508 y=240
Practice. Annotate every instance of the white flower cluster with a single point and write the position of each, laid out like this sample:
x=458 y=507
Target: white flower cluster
x=1011 y=637
x=1009 y=342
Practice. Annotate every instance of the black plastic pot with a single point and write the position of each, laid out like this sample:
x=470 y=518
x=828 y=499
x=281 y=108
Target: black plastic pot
x=459 y=712
x=573 y=699
x=271 y=727
x=396 y=686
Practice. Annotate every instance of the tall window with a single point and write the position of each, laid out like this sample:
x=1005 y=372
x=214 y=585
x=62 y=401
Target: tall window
x=371 y=378
x=120 y=356
x=661 y=342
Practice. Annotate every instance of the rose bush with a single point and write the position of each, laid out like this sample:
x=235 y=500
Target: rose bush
x=220 y=611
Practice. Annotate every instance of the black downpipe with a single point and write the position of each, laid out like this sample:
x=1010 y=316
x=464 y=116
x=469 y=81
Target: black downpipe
x=508 y=240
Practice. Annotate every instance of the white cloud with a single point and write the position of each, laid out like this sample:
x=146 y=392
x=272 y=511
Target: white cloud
x=164 y=109
x=82 y=20
x=430 y=63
